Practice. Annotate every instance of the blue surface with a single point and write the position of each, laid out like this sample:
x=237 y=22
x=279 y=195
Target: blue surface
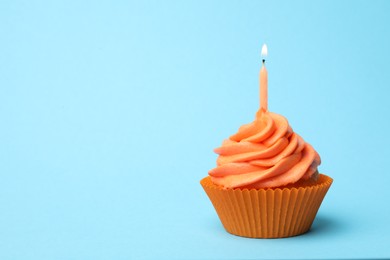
x=110 y=110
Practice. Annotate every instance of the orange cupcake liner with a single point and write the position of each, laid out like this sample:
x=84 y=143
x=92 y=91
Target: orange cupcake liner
x=268 y=213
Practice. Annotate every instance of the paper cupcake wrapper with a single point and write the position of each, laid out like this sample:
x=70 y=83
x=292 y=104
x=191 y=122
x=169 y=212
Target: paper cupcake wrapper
x=267 y=213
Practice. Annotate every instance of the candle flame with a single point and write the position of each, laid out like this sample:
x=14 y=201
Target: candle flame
x=264 y=51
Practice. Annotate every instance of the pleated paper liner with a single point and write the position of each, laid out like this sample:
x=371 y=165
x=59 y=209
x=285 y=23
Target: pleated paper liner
x=268 y=213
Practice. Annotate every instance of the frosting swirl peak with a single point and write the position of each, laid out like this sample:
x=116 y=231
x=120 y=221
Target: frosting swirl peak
x=264 y=154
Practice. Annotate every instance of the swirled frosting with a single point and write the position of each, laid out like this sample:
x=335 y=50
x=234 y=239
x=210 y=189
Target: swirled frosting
x=264 y=154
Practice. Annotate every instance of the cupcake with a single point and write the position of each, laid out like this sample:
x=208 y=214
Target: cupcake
x=266 y=183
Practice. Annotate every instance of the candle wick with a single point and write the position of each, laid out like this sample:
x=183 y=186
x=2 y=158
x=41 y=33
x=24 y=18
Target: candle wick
x=263 y=61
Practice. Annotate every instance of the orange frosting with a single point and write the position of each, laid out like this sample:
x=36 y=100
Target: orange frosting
x=264 y=154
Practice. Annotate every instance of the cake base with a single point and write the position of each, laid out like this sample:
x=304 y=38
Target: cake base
x=268 y=213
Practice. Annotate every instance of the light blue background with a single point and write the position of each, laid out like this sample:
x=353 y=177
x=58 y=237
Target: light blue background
x=110 y=110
